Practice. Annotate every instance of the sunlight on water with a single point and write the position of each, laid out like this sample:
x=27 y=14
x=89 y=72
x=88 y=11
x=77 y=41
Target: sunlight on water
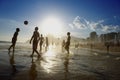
x=50 y=52
x=48 y=64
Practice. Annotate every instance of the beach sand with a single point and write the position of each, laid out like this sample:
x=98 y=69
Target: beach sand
x=80 y=64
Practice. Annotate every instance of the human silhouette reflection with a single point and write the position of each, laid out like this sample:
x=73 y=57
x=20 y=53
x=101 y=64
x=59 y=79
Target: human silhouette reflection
x=66 y=65
x=12 y=63
x=33 y=71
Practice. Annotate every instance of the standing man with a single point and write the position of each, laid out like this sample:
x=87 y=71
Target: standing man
x=47 y=44
x=63 y=45
x=14 y=39
x=67 y=44
x=41 y=42
x=35 y=39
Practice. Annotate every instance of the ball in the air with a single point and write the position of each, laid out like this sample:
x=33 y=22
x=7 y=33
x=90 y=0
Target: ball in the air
x=26 y=22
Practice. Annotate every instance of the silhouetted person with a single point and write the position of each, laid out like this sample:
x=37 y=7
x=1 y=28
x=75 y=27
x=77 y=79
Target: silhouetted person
x=91 y=46
x=108 y=46
x=14 y=39
x=77 y=45
x=47 y=44
x=35 y=37
x=41 y=42
x=63 y=45
x=67 y=44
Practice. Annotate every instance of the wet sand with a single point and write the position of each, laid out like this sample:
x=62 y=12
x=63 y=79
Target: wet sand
x=80 y=64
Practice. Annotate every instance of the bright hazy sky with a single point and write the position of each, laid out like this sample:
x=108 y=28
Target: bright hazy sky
x=80 y=17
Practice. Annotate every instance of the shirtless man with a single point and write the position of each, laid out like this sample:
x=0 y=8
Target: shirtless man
x=35 y=39
x=14 y=39
x=67 y=44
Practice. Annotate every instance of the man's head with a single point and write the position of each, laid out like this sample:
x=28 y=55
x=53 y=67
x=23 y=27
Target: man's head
x=41 y=35
x=68 y=33
x=36 y=28
x=17 y=29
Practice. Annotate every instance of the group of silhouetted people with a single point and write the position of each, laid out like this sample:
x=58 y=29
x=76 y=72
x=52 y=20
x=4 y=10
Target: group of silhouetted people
x=36 y=37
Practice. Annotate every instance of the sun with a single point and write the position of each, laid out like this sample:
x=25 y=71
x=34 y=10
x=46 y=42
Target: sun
x=52 y=25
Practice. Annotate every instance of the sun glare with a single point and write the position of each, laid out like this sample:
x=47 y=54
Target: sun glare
x=52 y=25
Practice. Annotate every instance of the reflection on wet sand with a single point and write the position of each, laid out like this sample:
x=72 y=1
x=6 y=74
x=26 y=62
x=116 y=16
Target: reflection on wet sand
x=45 y=67
x=52 y=63
x=57 y=65
x=12 y=63
x=46 y=63
x=33 y=71
x=66 y=66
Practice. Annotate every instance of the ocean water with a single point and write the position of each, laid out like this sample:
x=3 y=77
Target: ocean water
x=80 y=64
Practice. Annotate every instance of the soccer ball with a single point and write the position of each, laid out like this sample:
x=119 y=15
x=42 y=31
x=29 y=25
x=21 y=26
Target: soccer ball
x=25 y=22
